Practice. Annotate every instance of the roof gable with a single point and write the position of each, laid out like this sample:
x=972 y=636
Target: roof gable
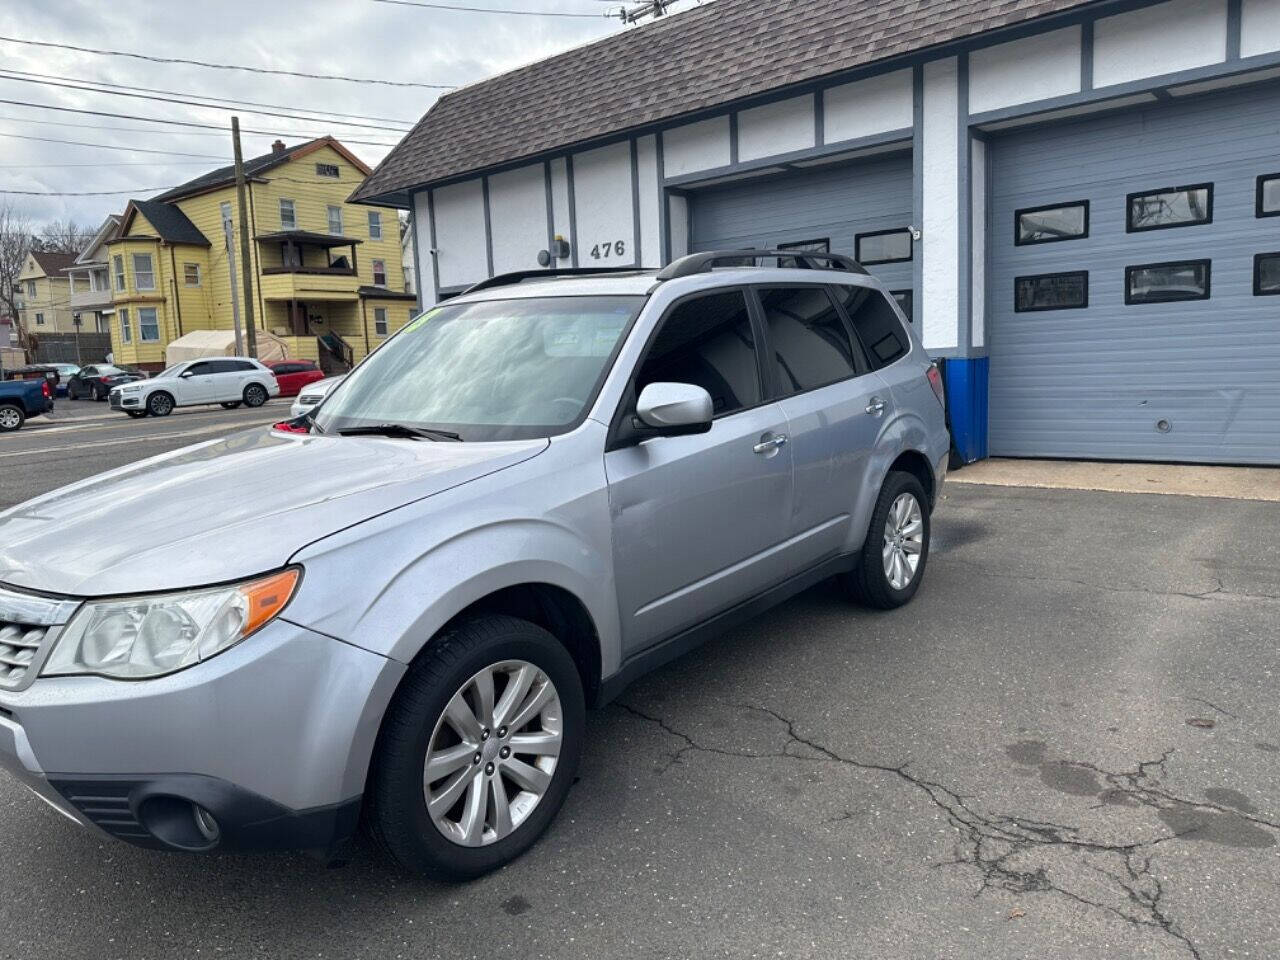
x=256 y=166
x=95 y=251
x=168 y=222
x=50 y=263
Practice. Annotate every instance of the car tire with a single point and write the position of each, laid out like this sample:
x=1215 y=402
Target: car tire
x=232 y=405
x=160 y=404
x=71 y=393
x=11 y=418
x=136 y=414
x=255 y=395
x=899 y=530
x=416 y=727
x=96 y=394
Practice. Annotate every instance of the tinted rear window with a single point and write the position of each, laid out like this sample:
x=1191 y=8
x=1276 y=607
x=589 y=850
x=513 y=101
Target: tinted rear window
x=876 y=324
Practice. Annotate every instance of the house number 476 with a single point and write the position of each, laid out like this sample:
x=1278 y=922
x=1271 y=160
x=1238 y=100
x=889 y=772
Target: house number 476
x=613 y=248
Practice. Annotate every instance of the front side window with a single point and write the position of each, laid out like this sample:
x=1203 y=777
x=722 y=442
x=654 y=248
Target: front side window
x=493 y=370
x=1051 y=291
x=126 y=332
x=288 y=217
x=1266 y=274
x=707 y=341
x=1063 y=221
x=148 y=325
x=1269 y=195
x=1170 y=207
x=144 y=277
x=1167 y=282
x=380 y=321
x=118 y=262
x=379 y=273
x=375 y=225
x=876 y=323
x=335 y=221
x=810 y=344
x=884 y=246
x=191 y=274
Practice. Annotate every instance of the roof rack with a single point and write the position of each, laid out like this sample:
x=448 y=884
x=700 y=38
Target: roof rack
x=519 y=276
x=805 y=259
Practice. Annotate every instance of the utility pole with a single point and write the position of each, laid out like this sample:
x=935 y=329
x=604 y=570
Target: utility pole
x=246 y=269
x=231 y=275
x=649 y=8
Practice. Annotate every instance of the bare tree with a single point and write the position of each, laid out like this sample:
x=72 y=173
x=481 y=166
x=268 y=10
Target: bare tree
x=63 y=236
x=15 y=244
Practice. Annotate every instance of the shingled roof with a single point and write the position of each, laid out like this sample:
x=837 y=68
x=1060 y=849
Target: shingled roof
x=257 y=166
x=52 y=263
x=715 y=54
x=170 y=223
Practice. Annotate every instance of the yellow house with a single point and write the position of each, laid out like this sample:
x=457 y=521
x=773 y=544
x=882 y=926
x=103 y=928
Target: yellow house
x=326 y=275
x=44 y=292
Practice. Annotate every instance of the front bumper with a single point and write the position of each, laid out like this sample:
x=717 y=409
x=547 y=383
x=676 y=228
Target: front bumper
x=271 y=739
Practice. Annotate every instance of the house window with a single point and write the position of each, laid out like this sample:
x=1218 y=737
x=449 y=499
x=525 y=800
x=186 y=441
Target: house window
x=379 y=273
x=191 y=274
x=1062 y=221
x=1266 y=275
x=375 y=225
x=905 y=302
x=1051 y=291
x=39 y=319
x=1170 y=207
x=335 y=221
x=1166 y=282
x=329 y=170
x=884 y=246
x=31 y=288
x=1269 y=195
x=144 y=277
x=118 y=261
x=380 y=321
x=288 y=219
x=148 y=325
x=126 y=333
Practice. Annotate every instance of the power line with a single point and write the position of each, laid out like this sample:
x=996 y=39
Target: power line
x=84 y=193
x=110 y=146
x=516 y=13
x=226 y=66
x=201 y=96
x=118 y=163
x=98 y=126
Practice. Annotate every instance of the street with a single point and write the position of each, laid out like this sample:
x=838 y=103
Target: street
x=1067 y=746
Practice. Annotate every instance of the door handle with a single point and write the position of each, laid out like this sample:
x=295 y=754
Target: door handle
x=875 y=407
x=772 y=443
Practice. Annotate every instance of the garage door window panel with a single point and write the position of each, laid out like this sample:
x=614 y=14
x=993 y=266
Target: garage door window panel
x=1051 y=224
x=804 y=246
x=707 y=341
x=1170 y=207
x=876 y=324
x=1167 y=282
x=1051 y=291
x=1266 y=275
x=884 y=246
x=808 y=340
x=1269 y=195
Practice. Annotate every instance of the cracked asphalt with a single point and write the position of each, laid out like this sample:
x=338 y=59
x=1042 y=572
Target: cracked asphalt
x=1067 y=746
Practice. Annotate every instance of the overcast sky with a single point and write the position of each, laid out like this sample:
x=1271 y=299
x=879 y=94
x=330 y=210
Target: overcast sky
x=354 y=38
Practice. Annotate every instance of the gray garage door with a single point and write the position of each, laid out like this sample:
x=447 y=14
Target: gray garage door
x=1151 y=334
x=829 y=206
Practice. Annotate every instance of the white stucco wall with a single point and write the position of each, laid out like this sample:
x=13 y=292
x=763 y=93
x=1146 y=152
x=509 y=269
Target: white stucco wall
x=678 y=223
x=602 y=195
x=940 y=244
x=560 y=202
x=776 y=128
x=1259 y=27
x=867 y=107
x=424 y=277
x=461 y=251
x=518 y=218
x=1034 y=68
x=696 y=146
x=978 y=239
x=650 y=237
x=1166 y=38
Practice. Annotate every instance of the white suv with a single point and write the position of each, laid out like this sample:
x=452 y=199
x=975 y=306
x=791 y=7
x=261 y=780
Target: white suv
x=229 y=381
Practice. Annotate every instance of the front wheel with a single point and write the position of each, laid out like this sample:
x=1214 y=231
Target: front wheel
x=255 y=395
x=11 y=418
x=98 y=394
x=160 y=404
x=478 y=750
x=896 y=550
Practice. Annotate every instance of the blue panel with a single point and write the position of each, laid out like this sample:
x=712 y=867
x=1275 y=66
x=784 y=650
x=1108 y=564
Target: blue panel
x=967 y=404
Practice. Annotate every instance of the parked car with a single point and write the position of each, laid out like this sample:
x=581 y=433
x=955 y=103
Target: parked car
x=65 y=372
x=293 y=375
x=34 y=371
x=524 y=500
x=96 y=380
x=20 y=399
x=313 y=394
x=229 y=381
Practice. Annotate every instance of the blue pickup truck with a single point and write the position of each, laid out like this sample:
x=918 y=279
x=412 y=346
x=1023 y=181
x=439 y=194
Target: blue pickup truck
x=20 y=399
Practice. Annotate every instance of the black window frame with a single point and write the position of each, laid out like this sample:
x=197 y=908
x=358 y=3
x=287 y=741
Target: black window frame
x=1051 y=276
x=1128 y=208
x=1018 y=215
x=756 y=305
x=911 y=246
x=910 y=314
x=1263 y=179
x=1257 y=272
x=807 y=245
x=1128 y=275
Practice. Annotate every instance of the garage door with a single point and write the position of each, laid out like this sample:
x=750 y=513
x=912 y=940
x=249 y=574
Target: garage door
x=862 y=208
x=1131 y=270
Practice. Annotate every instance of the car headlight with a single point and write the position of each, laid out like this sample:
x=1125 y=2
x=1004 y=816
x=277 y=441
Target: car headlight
x=128 y=389
x=134 y=638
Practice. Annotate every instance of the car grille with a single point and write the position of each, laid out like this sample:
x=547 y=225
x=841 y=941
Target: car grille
x=115 y=400
x=19 y=644
x=106 y=803
x=29 y=624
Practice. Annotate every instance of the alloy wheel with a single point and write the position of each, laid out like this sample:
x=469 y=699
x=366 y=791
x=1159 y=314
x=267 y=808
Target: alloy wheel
x=903 y=541
x=10 y=418
x=160 y=405
x=492 y=755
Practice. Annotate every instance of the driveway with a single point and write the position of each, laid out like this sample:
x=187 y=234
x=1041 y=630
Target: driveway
x=1068 y=746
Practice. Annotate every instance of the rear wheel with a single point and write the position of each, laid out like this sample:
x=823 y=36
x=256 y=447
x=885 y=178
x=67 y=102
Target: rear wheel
x=11 y=418
x=71 y=392
x=160 y=404
x=478 y=750
x=255 y=395
x=896 y=550
x=97 y=393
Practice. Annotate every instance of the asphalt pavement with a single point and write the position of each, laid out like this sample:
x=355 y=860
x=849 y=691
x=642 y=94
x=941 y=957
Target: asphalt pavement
x=1067 y=747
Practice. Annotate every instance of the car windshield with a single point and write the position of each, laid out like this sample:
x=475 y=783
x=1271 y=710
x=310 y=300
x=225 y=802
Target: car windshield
x=492 y=370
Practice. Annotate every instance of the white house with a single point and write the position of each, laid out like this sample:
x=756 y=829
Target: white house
x=91 y=282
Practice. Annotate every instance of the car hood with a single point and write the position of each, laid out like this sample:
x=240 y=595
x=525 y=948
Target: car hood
x=225 y=509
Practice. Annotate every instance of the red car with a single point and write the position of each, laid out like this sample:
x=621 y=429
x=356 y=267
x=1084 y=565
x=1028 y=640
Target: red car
x=293 y=375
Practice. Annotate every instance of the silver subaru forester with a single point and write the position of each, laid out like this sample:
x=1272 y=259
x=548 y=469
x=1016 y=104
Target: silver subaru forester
x=396 y=609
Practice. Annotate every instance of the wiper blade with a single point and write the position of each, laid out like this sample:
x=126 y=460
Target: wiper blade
x=401 y=430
